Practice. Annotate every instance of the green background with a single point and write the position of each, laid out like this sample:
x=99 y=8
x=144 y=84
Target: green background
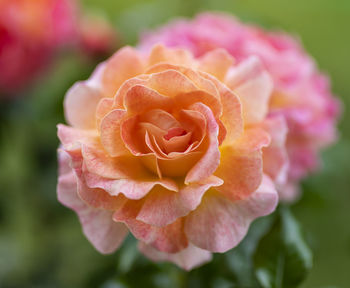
x=41 y=244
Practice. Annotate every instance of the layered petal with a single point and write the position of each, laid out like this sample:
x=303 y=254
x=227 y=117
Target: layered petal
x=241 y=165
x=81 y=95
x=218 y=224
x=207 y=165
x=124 y=64
x=251 y=82
x=98 y=226
x=111 y=138
x=163 y=207
x=216 y=63
x=188 y=258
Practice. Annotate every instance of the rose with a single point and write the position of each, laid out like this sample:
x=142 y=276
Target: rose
x=160 y=146
x=301 y=95
x=30 y=31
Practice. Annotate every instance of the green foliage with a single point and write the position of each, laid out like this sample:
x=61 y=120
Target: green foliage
x=283 y=259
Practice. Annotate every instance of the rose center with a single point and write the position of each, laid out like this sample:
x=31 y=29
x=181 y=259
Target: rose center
x=173 y=132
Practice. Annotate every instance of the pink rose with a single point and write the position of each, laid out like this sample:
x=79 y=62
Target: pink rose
x=301 y=94
x=169 y=147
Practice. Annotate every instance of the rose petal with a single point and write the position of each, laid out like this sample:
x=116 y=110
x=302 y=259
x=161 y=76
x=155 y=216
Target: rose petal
x=254 y=86
x=140 y=98
x=118 y=101
x=123 y=65
x=216 y=63
x=207 y=165
x=241 y=165
x=162 y=207
x=103 y=108
x=98 y=226
x=81 y=95
x=275 y=155
x=196 y=78
x=131 y=188
x=172 y=56
x=231 y=117
x=111 y=133
x=71 y=137
x=171 y=83
x=188 y=258
x=170 y=238
x=101 y=164
x=219 y=224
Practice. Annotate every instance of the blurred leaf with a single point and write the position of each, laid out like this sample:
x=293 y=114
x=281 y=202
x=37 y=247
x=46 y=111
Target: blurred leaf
x=283 y=259
x=240 y=259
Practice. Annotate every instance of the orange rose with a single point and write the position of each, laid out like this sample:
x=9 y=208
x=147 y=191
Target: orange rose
x=169 y=148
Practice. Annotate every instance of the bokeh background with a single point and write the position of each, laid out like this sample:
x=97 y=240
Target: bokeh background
x=41 y=244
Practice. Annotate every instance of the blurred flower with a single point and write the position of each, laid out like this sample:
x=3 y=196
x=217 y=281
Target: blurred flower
x=169 y=147
x=97 y=36
x=29 y=32
x=301 y=94
x=32 y=31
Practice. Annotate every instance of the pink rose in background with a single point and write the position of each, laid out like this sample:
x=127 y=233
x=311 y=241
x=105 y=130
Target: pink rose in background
x=301 y=95
x=175 y=149
x=32 y=31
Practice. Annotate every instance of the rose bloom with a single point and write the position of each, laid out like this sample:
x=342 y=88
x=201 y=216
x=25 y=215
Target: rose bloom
x=169 y=147
x=29 y=32
x=301 y=93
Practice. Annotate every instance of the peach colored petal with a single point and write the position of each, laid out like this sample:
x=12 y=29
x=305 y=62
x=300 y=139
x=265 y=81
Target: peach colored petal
x=188 y=258
x=241 y=165
x=103 y=108
x=275 y=155
x=118 y=101
x=95 y=197
x=171 y=83
x=207 y=165
x=170 y=238
x=151 y=143
x=187 y=99
x=222 y=132
x=98 y=162
x=161 y=119
x=98 y=226
x=151 y=162
x=123 y=65
x=140 y=98
x=111 y=133
x=177 y=143
x=195 y=122
x=201 y=82
x=162 y=207
x=161 y=54
x=71 y=137
x=131 y=188
x=219 y=224
x=180 y=165
x=231 y=118
x=241 y=172
x=78 y=96
x=251 y=82
x=253 y=139
x=216 y=62
x=129 y=135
